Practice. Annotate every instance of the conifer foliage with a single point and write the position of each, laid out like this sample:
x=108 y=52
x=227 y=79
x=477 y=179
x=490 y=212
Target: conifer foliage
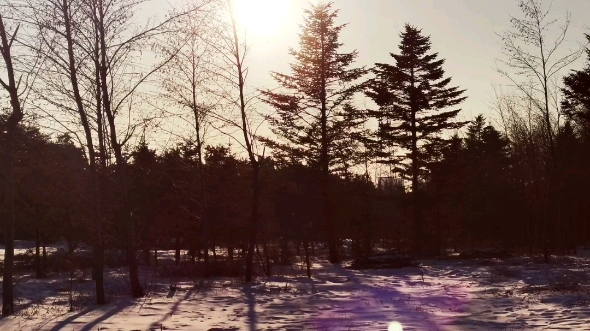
x=316 y=122
x=413 y=95
x=576 y=90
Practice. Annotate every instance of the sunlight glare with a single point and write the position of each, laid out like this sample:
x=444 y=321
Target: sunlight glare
x=261 y=18
x=395 y=326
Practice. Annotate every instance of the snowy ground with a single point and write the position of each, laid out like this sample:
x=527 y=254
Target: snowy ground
x=517 y=294
x=22 y=247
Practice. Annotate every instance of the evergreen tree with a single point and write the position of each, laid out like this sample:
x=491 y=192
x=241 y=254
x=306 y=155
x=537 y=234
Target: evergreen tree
x=315 y=121
x=576 y=90
x=485 y=171
x=412 y=95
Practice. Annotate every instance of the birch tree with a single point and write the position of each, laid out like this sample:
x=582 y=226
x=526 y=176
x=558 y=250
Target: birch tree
x=534 y=58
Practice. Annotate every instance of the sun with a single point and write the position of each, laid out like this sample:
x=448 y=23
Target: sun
x=261 y=18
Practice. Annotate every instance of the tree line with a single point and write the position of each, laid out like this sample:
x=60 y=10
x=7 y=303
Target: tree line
x=442 y=183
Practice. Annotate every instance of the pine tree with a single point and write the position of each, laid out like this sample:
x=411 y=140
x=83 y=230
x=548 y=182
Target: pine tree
x=316 y=122
x=576 y=90
x=485 y=170
x=412 y=95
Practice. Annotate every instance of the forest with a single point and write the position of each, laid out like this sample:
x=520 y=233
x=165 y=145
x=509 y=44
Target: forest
x=296 y=172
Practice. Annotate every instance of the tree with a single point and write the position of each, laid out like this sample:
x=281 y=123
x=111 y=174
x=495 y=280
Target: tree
x=316 y=121
x=184 y=81
x=485 y=170
x=412 y=96
x=59 y=35
x=116 y=50
x=14 y=89
x=533 y=55
x=530 y=52
x=574 y=136
x=576 y=91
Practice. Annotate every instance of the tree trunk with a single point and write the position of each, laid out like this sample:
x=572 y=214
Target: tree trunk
x=192 y=253
x=11 y=126
x=146 y=256
x=124 y=212
x=177 y=251
x=136 y=289
x=438 y=243
x=418 y=236
x=70 y=239
x=253 y=223
x=214 y=249
x=204 y=221
x=96 y=221
x=307 y=262
x=43 y=244
x=262 y=261
x=284 y=251
x=38 y=253
x=7 y=283
x=254 y=164
x=327 y=208
x=267 y=259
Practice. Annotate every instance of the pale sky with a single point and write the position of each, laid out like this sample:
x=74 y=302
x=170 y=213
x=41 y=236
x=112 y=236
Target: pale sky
x=462 y=31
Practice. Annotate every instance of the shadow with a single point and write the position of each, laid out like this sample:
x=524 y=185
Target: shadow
x=119 y=306
x=174 y=308
x=251 y=300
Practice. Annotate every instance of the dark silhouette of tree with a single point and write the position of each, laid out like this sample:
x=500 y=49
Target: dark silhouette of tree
x=532 y=50
x=145 y=191
x=316 y=121
x=184 y=84
x=572 y=140
x=50 y=177
x=56 y=22
x=15 y=91
x=485 y=164
x=230 y=70
x=576 y=91
x=412 y=96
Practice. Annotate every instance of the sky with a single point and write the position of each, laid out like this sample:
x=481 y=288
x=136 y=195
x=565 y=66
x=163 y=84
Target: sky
x=464 y=32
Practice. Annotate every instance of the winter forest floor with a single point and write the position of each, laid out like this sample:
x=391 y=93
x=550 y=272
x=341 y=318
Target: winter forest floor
x=513 y=294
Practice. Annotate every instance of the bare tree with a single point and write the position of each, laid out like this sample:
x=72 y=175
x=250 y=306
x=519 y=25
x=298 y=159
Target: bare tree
x=121 y=45
x=234 y=111
x=185 y=81
x=16 y=83
x=524 y=127
x=57 y=39
x=97 y=47
x=532 y=54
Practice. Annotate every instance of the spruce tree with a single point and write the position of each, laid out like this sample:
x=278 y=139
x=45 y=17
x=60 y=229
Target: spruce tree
x=413 y=95
x=315 y=122
x=576 y=91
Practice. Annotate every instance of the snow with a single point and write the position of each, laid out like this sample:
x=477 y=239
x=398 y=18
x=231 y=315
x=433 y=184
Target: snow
x=28 y=247
x=517 y=294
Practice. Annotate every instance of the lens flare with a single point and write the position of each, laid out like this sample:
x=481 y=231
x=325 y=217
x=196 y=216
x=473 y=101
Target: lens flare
x=395 y=326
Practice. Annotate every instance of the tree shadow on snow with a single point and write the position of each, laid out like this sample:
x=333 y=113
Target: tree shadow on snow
x=251 y=299
x=174 y=308
x=117 y=307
